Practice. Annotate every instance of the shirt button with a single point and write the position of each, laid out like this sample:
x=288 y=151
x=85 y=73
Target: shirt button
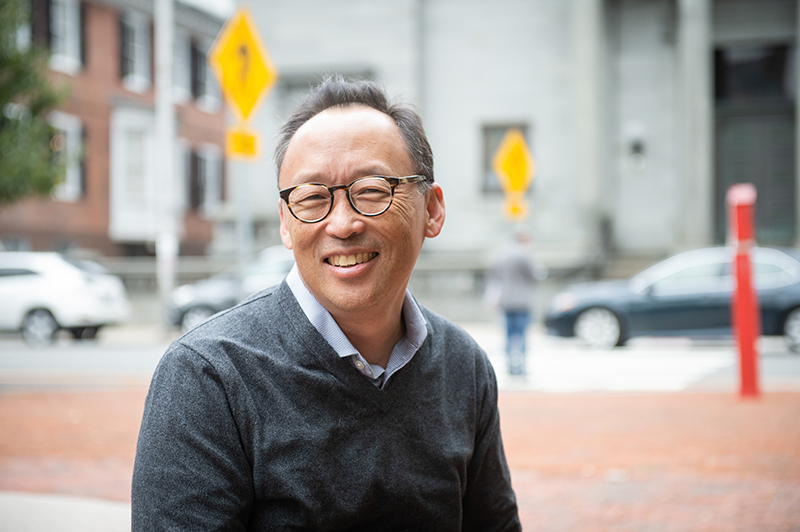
x=359 y=364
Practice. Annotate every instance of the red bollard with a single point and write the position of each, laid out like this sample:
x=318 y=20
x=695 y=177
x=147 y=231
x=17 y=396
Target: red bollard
x=745 y=311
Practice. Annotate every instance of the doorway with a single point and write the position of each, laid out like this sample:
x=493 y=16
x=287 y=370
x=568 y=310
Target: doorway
x=755 y=135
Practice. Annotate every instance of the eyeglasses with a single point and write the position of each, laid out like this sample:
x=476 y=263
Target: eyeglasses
x=370 y=196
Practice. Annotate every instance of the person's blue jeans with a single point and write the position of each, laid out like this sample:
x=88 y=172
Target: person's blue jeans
x=516 y=325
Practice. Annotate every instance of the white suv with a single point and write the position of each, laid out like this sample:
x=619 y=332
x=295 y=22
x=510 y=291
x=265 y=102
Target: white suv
x=41 y=293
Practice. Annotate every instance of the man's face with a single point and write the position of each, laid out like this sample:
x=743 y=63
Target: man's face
x=336 y=147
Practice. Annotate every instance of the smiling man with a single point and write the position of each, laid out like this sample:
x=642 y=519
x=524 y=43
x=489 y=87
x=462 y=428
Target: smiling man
x=332 y=401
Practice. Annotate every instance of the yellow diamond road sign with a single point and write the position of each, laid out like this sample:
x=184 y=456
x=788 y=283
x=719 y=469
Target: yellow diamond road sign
x=242 y=65
x=513 y=162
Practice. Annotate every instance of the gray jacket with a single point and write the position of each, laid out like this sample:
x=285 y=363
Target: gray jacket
x=513 y=277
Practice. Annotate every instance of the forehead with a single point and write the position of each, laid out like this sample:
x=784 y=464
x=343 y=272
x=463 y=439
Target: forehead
x=344 y=140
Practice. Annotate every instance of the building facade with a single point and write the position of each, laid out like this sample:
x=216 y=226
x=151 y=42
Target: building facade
x=108 y=201
x=638 y=113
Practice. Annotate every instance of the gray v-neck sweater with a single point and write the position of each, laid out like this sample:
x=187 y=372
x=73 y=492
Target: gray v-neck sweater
x=253 y=423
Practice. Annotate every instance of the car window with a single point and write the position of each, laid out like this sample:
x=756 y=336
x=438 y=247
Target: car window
x=88 y=266
x=15 y=272
x=771 y=269
x=698 y=278
x=700 y=271
x=678 y=263
x=769 y=275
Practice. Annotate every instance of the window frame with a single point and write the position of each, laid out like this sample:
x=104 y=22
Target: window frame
x=65 y=35
x=182 y=66
x=205 y=190
x=203 y=82
x=490 y=182
x=73 y=187
x=136 y=51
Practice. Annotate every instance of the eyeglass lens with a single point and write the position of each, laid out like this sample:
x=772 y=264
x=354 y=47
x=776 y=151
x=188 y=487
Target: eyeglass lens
x=371 y=195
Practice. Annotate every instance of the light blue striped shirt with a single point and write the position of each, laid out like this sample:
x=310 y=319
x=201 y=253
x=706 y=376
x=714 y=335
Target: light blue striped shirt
x=321 y=319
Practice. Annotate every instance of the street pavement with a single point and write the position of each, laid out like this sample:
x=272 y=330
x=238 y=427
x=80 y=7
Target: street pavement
x=127 y=356
x=648 y=437
x=646 y=365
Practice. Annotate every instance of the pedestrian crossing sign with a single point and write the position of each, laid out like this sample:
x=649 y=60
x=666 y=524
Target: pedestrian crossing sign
x=242 y=64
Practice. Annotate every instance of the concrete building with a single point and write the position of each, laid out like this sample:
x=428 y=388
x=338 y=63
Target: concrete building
x=639 y=113
x=108 y=201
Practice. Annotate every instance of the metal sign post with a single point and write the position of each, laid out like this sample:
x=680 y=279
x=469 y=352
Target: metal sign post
x=167 y=237
x=746 y=314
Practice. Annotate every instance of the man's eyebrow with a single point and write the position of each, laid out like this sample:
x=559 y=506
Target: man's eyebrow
x=319 y=177
x=373 y=170
x=309 y=176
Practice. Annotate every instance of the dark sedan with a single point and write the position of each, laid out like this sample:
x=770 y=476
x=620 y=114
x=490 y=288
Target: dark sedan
x=688 y=294
x=192 y=304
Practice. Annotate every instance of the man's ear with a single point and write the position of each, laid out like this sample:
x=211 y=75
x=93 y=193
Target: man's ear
x=434 y=207
x=285 y=236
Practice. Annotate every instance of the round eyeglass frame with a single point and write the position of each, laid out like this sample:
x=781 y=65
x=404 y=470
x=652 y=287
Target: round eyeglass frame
x=394 y=182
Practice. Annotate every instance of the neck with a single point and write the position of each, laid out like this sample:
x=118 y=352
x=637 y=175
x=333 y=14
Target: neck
x=375 y=335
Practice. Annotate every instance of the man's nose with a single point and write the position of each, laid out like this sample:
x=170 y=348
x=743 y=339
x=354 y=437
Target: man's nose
x=343 y=221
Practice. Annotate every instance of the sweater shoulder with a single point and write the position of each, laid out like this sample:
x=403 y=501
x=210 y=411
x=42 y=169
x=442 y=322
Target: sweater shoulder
x=453 y=342
x=257 y=307
x=448 y=332
x=268 y=323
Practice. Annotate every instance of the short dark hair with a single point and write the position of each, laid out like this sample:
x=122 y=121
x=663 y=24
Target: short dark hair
x=336 y=91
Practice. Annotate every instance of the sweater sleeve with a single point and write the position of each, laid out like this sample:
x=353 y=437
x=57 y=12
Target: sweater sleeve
x=489 y=503
x=191 y=472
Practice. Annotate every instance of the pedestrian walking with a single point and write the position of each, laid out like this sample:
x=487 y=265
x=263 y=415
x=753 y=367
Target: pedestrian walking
x=510 y=287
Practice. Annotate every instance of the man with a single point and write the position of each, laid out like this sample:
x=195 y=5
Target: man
x=332 y=401
x=512 y=279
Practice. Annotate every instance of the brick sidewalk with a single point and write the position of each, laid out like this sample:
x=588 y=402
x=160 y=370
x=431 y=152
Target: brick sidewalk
x=680 y=462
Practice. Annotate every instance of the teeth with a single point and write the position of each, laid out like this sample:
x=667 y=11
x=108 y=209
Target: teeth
x=351 y=260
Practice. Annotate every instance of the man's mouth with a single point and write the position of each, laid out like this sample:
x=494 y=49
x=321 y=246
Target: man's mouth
x=350 y=260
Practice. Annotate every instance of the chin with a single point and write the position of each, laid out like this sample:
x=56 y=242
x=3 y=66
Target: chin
x=355 y=298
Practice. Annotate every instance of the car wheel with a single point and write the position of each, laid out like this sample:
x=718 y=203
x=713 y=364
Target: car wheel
x=39 y=327
x=598 y=328
x=194 y=317
x=84 y=333
x=791 y=330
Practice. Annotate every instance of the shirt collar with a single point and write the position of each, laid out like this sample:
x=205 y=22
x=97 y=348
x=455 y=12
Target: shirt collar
x=321 y=319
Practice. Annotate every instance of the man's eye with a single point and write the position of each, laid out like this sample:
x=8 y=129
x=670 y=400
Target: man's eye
x=310 y=196
x=315 y=197
x=373 y=191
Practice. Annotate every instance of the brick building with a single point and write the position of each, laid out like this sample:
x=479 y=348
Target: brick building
x=107 y=202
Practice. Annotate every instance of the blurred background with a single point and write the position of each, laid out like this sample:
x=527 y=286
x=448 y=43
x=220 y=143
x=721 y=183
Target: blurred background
x=638 y=114
x=124 y=222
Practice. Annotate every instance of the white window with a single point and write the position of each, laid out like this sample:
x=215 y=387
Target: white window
x=205 y=180
x=211 y=157
x=68 y=146
x=134 y=169
x=135 y=50
x=183 y=164
x=134 y=191
x=182 y=57
x=65 y=35
x=204 y=85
